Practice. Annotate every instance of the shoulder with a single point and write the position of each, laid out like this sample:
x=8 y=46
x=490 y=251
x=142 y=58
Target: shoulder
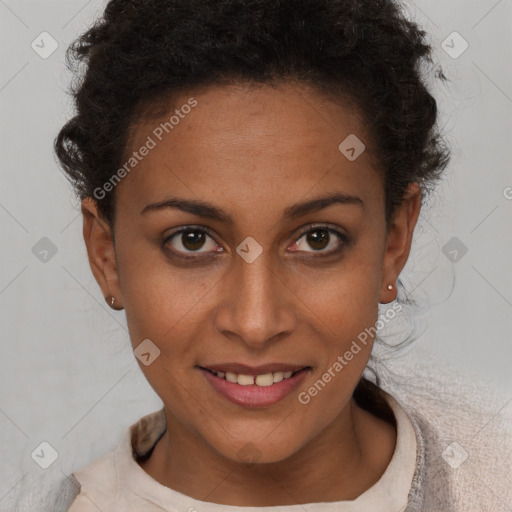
x=110 y=479
x=464 y=431
x=54 y=491
x=51 y=491
x=82 y=503
x=98 y=476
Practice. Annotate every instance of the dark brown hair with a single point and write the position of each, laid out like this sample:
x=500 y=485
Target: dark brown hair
x=141 y=52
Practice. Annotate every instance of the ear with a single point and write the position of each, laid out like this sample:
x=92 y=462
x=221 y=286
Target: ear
x=399 y=240
x=100 y=250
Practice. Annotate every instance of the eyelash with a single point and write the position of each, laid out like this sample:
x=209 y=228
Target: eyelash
x=316 y=227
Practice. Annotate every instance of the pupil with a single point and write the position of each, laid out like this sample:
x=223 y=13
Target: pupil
x=313 y=238
x=193 y=240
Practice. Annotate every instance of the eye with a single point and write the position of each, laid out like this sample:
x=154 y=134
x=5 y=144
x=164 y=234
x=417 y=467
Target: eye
x=319 y=237
x=189 y=240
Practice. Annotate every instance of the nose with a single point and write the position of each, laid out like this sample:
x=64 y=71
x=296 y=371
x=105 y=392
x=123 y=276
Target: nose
x=257 y=305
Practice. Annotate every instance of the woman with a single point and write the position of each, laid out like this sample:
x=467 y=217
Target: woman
x=251 y=175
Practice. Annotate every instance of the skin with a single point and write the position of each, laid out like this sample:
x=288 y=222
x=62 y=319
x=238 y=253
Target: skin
x=254 y=152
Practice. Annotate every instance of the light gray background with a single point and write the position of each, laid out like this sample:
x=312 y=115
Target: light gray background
x=68 y=375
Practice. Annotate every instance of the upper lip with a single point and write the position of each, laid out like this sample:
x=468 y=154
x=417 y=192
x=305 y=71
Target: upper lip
x=245 y=369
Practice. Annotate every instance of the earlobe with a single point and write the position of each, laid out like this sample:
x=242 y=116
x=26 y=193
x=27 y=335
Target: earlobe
x=100 y=250
x=399 y=240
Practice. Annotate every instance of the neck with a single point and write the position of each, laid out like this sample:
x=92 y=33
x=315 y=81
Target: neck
x=349 y=456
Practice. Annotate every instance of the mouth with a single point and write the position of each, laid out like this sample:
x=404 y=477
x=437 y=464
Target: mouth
x=259 y=377
x=256 y=387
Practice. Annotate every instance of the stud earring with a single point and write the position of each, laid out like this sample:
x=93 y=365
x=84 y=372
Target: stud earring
x=389 y=287
x=110 y=301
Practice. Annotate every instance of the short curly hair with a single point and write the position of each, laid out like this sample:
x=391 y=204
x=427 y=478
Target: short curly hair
x=141 y=53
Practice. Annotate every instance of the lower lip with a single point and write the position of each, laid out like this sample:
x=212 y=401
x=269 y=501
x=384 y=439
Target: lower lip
x=253 y=395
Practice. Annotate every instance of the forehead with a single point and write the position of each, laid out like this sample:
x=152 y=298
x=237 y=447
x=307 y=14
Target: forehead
x=238 y=142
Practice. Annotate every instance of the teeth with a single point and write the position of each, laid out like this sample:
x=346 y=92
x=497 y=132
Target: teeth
x=245 y=380
x=278 y=376
x=230 y=377
x=266 y=379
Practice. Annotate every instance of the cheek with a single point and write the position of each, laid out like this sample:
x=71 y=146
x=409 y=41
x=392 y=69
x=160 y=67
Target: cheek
x=160 y=301
x=345 y=297
x=345 y=317
x=166 y=305
x=344 y=320
x=343 y=305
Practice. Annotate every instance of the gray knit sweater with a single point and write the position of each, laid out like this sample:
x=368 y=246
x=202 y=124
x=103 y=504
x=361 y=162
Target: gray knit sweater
x=464 y=449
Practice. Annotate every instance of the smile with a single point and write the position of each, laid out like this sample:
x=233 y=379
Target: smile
x=263 y=379
x=261 y=390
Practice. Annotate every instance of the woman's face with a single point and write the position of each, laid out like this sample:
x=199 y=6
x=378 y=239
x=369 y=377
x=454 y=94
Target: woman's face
x=255 y=288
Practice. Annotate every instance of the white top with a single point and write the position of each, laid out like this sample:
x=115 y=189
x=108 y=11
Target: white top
x=115 y=480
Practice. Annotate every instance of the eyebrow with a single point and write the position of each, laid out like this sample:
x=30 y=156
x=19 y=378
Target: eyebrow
x=207 y=210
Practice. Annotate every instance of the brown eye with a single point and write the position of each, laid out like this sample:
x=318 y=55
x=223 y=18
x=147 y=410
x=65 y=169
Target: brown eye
x=190 y=240
x=320 y=239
